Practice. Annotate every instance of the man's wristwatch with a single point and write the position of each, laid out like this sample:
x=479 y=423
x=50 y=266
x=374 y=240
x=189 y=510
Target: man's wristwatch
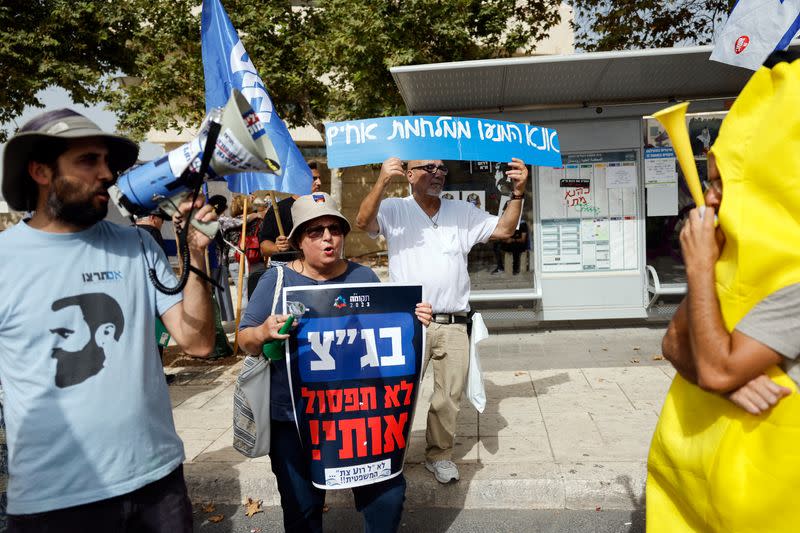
x=515 y=196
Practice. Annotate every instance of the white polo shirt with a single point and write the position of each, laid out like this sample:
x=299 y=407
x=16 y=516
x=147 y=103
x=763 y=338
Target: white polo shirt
x=435 y=257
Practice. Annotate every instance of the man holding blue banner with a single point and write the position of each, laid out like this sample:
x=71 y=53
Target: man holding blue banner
x=429 y=240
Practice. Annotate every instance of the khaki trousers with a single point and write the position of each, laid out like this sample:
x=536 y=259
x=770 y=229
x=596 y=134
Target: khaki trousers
x=447 y=348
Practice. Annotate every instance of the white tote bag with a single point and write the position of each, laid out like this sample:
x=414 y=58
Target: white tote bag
x=475 y=391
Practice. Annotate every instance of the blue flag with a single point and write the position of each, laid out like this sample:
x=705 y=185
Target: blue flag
x=226 y=65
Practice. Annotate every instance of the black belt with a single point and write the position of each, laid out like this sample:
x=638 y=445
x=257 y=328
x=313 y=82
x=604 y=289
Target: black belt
x=450 y=318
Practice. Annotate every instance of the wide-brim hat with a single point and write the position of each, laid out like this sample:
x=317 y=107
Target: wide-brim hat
x=311 y=206
x=19 y=189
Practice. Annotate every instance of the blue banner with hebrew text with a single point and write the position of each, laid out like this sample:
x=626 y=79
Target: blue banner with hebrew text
x=361 y=142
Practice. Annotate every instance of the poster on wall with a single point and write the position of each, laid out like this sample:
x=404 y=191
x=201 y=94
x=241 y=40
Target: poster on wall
x=590 y=210
x=661 y=181
x=354 y=362
x=476 y=198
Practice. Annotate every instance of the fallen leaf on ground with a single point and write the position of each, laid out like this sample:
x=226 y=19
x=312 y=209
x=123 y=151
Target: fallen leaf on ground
x=519 y=373
x=252 y=507
x=636 y=348
x=598 y=508
x=208 y=508
x=658 y=358
x=604 y=349
x=634 y=360
x=326 y=508
x=216 y=518
x=600 y=380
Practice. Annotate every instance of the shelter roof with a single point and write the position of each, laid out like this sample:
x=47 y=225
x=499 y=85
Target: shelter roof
x=582 y=79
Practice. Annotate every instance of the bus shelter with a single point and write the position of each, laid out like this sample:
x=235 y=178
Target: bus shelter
x=601 y=231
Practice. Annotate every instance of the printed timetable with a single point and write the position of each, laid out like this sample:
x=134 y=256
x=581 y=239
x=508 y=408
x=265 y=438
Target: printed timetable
x=589 y=210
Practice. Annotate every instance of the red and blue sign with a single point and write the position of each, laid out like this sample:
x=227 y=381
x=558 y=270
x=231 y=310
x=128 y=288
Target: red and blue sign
x=354 y=361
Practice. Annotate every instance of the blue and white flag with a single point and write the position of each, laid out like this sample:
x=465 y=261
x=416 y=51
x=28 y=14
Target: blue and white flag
x=226 y=66
x=755 y=29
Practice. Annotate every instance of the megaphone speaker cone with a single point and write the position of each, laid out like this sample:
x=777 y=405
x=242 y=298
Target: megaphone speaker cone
x=243 y=145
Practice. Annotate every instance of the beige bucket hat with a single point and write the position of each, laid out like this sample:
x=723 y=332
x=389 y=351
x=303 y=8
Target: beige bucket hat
x=311 y=206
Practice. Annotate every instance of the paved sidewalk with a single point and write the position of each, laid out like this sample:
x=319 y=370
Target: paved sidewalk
x=572 y=436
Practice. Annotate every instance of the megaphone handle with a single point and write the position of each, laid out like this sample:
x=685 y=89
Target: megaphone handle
x=207 y=228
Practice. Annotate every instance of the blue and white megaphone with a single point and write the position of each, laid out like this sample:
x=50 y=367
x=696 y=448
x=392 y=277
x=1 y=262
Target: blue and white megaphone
x=241 y=144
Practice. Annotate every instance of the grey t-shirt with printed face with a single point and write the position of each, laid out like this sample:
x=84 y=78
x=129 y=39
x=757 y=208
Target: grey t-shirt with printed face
x=775 y=322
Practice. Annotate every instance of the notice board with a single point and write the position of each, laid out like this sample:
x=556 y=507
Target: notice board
x=589 y=211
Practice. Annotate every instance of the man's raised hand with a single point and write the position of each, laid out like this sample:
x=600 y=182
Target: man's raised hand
x=518 y=174
x=391 y=168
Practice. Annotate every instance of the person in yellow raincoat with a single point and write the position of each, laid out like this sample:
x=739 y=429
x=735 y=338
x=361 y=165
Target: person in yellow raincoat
x=725 y=456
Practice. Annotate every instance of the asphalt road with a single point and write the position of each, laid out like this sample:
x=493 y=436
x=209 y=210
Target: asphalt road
x=436 y=520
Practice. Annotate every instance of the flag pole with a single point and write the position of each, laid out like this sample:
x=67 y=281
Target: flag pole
x=242 y=259
x=275 y=212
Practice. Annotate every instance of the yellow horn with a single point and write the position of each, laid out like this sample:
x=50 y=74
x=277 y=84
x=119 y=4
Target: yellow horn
x=673 y=119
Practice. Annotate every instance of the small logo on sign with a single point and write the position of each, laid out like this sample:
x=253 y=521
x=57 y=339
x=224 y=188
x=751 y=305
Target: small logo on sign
x=741 y=44
x=339 y=302
x=359 y=300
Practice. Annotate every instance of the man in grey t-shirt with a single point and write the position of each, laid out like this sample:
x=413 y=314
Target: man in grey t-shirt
x=775 y=322
x=701 y=350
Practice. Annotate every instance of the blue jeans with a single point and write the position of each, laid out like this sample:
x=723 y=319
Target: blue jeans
x=380 y=503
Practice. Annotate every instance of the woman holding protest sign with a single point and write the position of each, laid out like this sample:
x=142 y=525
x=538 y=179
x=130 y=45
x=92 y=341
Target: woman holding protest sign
x=319 y=233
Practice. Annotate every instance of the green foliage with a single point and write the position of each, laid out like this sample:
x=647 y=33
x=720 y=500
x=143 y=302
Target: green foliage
x=632 y=24
x=324 y=60
x=72 y=44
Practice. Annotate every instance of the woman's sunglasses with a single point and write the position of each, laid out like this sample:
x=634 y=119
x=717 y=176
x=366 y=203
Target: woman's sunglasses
x=316 y=232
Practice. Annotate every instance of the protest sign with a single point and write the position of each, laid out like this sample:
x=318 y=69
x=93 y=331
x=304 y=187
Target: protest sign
x=354 y=362
x=360 y=142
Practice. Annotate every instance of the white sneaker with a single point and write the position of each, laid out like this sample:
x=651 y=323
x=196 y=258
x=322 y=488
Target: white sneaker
x=443 y=471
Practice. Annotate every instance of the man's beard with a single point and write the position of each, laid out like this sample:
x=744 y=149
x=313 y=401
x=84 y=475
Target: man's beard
x=435 y=190
x=70 y=206
x=73 y=368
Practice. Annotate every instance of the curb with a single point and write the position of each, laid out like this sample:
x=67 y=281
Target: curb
x=581 y=486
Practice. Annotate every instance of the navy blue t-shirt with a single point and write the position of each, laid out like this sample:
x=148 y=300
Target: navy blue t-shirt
x=259 y=308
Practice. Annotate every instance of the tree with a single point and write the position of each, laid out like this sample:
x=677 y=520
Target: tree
x=71 y=44
x=631 y=24
x=325 y=60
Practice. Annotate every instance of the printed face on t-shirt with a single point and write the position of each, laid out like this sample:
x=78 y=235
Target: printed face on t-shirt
x=85 y=325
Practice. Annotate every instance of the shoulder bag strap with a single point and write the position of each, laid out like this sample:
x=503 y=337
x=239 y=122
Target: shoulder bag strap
x=278 y=288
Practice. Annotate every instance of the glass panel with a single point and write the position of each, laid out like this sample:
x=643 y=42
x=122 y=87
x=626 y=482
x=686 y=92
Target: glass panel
x=663 y=231
x=494 y=265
